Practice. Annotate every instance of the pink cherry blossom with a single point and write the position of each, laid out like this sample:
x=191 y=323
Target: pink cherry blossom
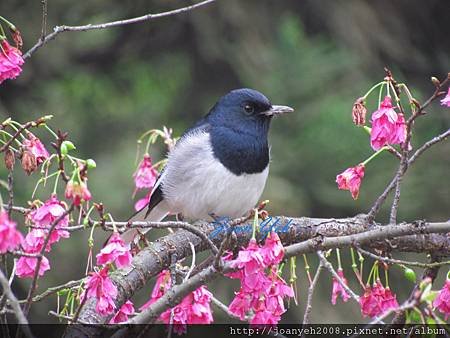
x=100 y=286
x=47 y=214
x=446 y=100
x=116 y=251
x=145 y=175
x=338 y=289
x=10 y=237
x=250 y=258
x=442 y=301
x=121 y=316
x=272 y=251
x=351 y=179
x=78 y=192
x=26 y=266
x=387 y=126
x=34 y=241
x=241 y=304
x=163 y=283
x=34 y=146
x=11 y=61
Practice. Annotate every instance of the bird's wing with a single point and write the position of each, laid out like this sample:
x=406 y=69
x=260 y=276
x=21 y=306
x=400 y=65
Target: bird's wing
x=157 y=194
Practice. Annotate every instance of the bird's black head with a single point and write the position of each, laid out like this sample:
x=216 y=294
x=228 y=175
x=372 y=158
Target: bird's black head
x=245 y=109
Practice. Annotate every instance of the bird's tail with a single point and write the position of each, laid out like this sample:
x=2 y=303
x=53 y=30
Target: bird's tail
x=157 y=214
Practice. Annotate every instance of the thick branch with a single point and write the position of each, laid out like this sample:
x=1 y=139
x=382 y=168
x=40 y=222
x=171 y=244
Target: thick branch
x=310 y=234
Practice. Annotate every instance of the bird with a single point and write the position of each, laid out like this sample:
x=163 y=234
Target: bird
x=218 y=167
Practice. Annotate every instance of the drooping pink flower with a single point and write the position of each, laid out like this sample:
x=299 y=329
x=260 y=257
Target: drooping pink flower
x=11 y=61
x=36 y=148
x=369 y=302
x=145 y=175
x=272 y=251
x=446 y=100
x=387 y=127
x=241 y=304
x=388 y=300
x=100 y=286
x=34 y=241
x=163 y=283
x=47 y=214
x=116 y=251
x=351 y=179
x=200 y=306
x=26 y=266
x=78 y=192
x=442 y=301
x=250 y=258
x=10 y=237
x=338 y=288
x=127 y=309
x=399 y=133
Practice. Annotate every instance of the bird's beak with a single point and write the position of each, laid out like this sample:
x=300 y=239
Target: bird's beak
x=278 y=110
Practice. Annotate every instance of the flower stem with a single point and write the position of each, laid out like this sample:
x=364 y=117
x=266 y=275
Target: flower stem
x=380 y=93
x=51 y=131
x=255 y=223
x=378 y=152
x=56 y=181
x=307 y=269
x=7 y=22
x=373 y=88
x=338 y=254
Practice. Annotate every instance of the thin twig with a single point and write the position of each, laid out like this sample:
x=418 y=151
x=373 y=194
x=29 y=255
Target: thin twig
x=60 y=29
x=21 y=319
x=44 y=20
x=311 y=289
x=399 y=261
x=50 y=291
x=427 y=145
x=327 y=265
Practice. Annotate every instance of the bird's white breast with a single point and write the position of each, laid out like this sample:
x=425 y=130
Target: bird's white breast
x=196 y=184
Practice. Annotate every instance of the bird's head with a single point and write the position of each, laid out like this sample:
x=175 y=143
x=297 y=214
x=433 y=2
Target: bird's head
x=244 y=108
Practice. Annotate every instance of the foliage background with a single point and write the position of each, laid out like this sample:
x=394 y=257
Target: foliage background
x=107 y=87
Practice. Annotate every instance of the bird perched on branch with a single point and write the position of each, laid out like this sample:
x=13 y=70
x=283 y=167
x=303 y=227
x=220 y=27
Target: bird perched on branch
x=220 y=165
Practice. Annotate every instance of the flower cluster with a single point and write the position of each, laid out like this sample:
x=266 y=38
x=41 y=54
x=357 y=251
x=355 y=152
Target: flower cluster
x=195 y=308
x=10 y=237
x=262 y=291
x=11 y=61
x=442 y=301
x=100 y=287
x=377 y=300
x=43 y=218
x=144 y=178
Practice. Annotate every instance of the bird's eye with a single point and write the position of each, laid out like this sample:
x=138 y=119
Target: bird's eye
x=249 y=109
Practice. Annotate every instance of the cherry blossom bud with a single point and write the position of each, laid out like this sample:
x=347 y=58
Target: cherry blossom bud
x=9 y=159
x=359 y=112
x=29 y=163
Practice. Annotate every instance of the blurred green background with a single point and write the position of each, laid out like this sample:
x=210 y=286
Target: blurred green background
x=107 y=87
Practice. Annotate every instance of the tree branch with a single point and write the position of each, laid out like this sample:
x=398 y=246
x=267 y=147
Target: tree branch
x=60 y=29
x=309 y=234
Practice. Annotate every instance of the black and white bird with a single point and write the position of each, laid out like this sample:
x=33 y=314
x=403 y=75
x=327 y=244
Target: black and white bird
x=220 y=165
